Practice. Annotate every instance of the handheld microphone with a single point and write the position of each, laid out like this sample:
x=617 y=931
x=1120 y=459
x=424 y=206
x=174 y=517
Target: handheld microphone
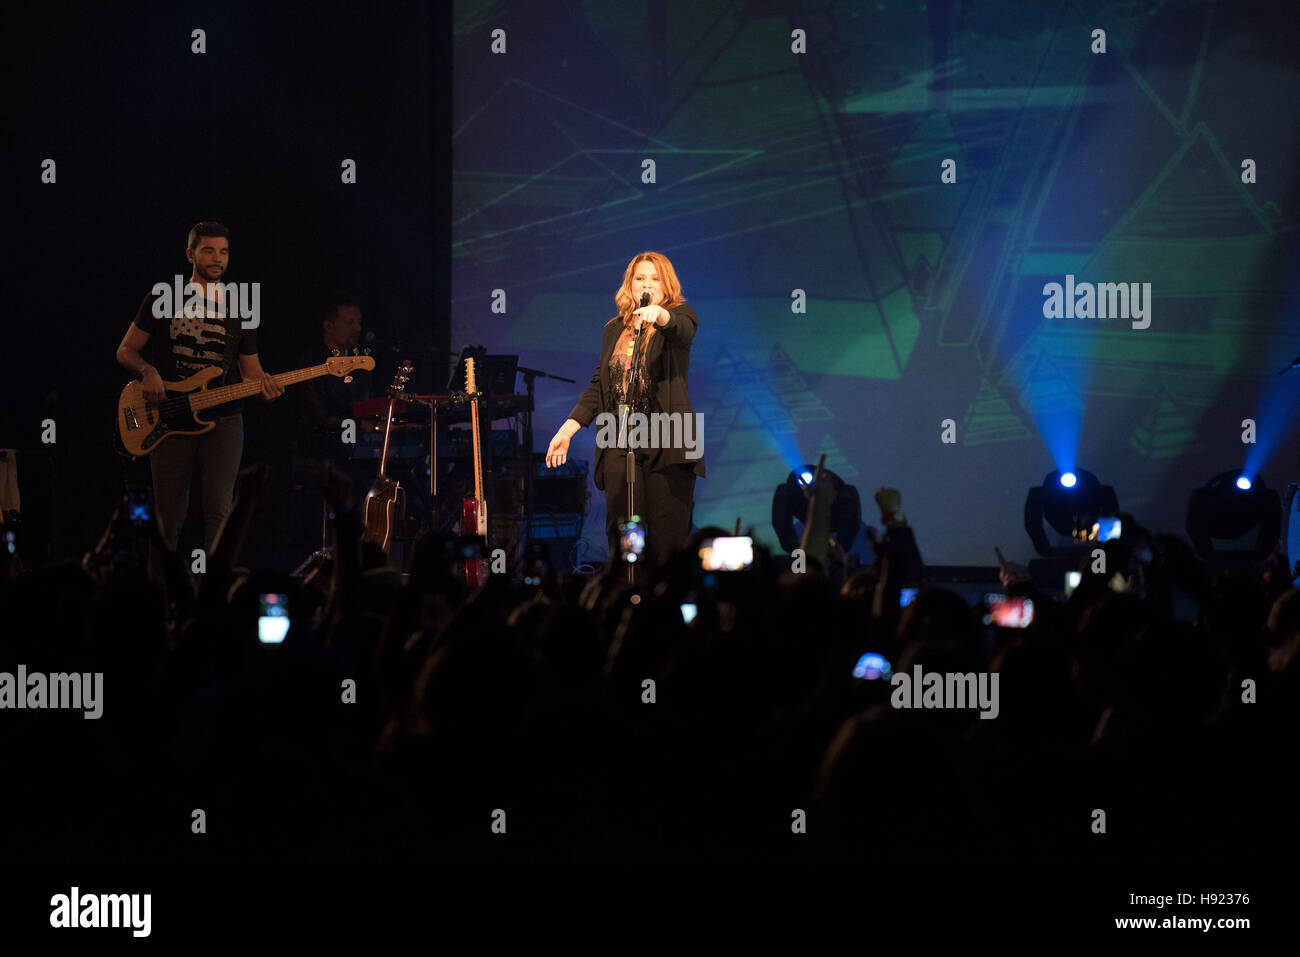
x=645 y=301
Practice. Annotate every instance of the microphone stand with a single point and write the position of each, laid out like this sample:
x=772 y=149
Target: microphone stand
x=633 y=382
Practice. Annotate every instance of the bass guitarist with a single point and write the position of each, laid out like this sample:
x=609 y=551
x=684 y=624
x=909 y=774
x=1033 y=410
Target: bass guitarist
x=180 y=346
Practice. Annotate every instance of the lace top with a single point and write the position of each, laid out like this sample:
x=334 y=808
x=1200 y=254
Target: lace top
x=638 y=394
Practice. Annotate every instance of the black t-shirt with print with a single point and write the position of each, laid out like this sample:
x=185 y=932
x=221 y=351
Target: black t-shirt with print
x=182 y=345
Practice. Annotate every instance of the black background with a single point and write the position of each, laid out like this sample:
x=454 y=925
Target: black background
x=149 y=139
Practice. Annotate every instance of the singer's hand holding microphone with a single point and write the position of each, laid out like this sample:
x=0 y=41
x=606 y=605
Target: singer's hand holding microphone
x=657 y=315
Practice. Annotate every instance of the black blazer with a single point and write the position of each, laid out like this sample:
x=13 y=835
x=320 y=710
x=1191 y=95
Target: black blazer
x=667 y=364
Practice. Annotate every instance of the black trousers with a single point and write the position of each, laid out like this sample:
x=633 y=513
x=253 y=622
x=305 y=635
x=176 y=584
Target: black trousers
x=664 y=500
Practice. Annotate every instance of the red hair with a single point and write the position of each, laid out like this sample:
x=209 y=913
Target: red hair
x=672 y=287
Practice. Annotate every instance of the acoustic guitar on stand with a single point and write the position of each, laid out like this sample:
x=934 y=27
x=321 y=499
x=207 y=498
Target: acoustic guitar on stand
x=142 y=424
x=473 y=519
x=386 y=500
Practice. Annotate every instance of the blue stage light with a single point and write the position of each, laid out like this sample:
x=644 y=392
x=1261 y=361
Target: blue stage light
x=1222 y=515
x=806 y=477
x=1078 y=508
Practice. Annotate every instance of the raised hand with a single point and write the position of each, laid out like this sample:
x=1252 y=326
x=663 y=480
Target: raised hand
x=890 y=501
x=821 y=481
x=1009 y=573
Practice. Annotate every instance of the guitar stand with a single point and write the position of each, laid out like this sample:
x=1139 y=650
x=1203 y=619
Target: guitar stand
x=433 y=405
x=323 y=554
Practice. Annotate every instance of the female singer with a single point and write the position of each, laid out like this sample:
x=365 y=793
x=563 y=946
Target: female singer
x=664 y=487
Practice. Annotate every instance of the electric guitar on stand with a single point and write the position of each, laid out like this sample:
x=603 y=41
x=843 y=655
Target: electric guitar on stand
x=474 y=513
x=386 y=500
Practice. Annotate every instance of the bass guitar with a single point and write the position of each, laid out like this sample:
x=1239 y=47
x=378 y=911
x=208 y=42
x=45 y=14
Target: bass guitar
x=142 y=424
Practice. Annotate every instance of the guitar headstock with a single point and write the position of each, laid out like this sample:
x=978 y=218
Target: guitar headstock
x=403 y=375
x=346 y=365
x=470 y=386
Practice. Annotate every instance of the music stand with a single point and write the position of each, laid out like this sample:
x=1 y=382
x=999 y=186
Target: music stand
x=496 y=374
x=500 y=373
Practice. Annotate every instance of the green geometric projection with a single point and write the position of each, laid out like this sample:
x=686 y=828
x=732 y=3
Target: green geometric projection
x=990 y=418
x=1163 y=432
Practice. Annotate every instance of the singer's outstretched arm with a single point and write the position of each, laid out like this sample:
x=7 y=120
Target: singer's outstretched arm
x=681 y=325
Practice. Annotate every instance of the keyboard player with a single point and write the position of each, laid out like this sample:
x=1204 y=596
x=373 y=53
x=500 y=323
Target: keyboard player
x=319 y=406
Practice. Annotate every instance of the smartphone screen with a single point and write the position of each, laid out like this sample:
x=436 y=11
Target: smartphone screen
x=273 y=618
x=906 y=596
x=688 y=611
x=1105 y=529
x=631 y=539
x=1072 y=580
x=138 y=507
x=1010 y=612
x=537 y=565
x=727 y=554
x=872 y=666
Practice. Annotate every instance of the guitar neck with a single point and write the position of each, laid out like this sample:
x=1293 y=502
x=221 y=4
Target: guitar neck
x=229 y=393
x=388 y=430
x=478 y=457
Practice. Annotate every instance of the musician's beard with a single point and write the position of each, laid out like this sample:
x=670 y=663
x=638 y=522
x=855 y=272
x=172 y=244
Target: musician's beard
x=346 y=344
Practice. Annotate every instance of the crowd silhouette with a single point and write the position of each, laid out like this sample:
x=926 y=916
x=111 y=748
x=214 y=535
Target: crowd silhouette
x=410 y=722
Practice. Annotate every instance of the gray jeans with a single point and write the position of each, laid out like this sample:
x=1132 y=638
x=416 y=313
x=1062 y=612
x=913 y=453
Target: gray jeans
x=216 y=454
